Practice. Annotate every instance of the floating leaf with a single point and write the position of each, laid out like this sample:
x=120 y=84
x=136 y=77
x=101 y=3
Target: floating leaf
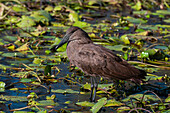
x=102 y=86
x=41 y=16
x=147 y=98
x=23 y=47
x=101 y=102
x=26 y=80
x=58 y=7
x=64 y=91
x=87 y=86
x=138 y=5
x=12 y=19
x=85 y=103
x=26 y=21
x=81 y=24
x=123 y=109
x=113 y=102
x=37 y=61
x=117 y=47
x=12 y=47
x=43 y=103
x=2 y=84
x=13 y=98
x=49 y=8
x=68 y=102
x=167 y=20
x=162 y=47
x=142 y=12
x=10 y=38
x=136 y=20
x=163 y=12
x=51 y=98
x=14 y=54
x=145 y=33
x=125 y=39
x=167 y=99
x=19 y=8
x=74 y=17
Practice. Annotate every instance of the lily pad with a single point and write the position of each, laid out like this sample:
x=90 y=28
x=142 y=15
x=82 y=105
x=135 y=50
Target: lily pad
x=136 y=20
x=113 y=102
x=118 y=47
x=147 y=98
x=101 y=102
x=26 y=21
x=85 y=103
x=13 y=98
x=64 y=91
x=41 y=16
x=10 y=38
x=138 y=5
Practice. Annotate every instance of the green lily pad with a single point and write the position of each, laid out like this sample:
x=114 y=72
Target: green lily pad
x=12 y=19
x=102 y=86
x=138 y=6
x=123 y=109
x=10 y=38
x=163 y=12
x=44 y=103
x=167 y=99
x=85 y=103
x=136 y=20
x=74 y=17
x=13 y=98
x=163 y=26
x=117 y=47
x=101 y=102
x=113 y=102
x=2 y=84
x=64 y=91
x=19 y=8
x=14 y=54
x=58 y=7
x=162 y=47
x=26 y=21
x=81 y=24
x=41 y=16
x=167 y=20
x=147 y=98
x=125 y=39
x=143 y=12
x=49 y=8
x=26 y=80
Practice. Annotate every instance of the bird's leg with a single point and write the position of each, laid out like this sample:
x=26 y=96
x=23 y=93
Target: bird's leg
x=92 y=87
x=95 y=88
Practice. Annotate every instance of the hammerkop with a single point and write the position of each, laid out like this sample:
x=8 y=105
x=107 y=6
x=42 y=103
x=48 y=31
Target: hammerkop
x=96 y=60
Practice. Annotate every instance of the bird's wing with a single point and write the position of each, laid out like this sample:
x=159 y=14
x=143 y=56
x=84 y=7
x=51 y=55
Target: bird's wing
x=97 y=60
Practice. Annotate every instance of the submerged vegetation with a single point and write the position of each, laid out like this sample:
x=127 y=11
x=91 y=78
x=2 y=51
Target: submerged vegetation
x=33 y=79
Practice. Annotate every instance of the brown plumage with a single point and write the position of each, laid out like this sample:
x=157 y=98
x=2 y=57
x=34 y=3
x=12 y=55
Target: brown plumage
x=96 y=60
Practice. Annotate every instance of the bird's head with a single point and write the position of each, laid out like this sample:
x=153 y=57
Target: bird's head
x=73 y=33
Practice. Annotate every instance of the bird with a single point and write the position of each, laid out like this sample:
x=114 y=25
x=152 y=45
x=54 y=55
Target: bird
x=96 y=60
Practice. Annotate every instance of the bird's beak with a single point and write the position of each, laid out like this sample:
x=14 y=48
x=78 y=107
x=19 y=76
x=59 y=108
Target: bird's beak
x=63 y=41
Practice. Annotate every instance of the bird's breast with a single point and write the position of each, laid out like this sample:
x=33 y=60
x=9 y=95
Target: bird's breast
x=72 y=49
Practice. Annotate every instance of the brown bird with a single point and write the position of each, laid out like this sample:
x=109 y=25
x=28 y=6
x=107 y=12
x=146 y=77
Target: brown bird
x=96 y=60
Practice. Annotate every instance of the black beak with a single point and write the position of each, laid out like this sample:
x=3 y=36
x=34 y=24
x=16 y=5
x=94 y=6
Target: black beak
x=63 y=41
